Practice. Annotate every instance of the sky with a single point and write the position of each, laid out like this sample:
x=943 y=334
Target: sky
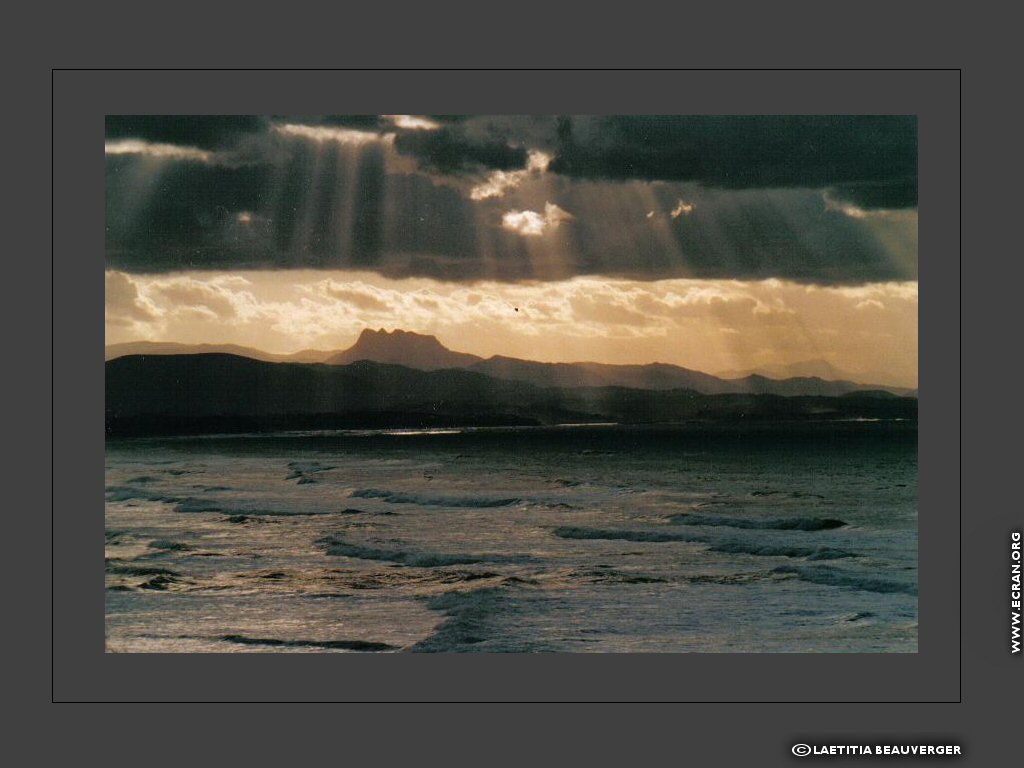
x=720 y=243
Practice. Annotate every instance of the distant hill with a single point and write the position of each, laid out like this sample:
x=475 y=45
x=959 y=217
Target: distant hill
x=413 y=350
x=661 y=376
x=814 y=369
x=651 y=376
x=427 y=353
x=811 y=385
x=114 y=351
x=175 y=394
x=821 y=369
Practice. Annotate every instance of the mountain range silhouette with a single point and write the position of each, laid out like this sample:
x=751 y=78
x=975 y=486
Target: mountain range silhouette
x=403 y=379
x=426 y=353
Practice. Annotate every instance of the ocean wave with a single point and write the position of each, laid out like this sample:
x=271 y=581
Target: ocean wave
x=467 y=627
x=833 y=577
x=731 y=579
x=346 y=645
x=395 y=497
x=484 y=621
x=170 y=546
x=858 y=616
x=199 y=505
x=775 y=550
x=347 y=583
x=732 y=546
x=129 y=493
x=242 y=519
x=300 y=469
x=124 y=569
x=465 y=624
x=236 y=510
x=354 y=511
x=160 y=583
x=159 y=579
x=570 y=532
x=602 y=575
x=336 y=546
x=776 y=524
x=788 y=494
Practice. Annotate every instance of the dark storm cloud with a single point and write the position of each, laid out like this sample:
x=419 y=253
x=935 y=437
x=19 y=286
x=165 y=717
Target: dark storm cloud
x=177 y=221
x=432 y=220
x=737 y=234
x=202 y=131
x=326 y=207
x=449 y=118
x=761 y=192
x=872 y=160
x=451 y=150
x=881 y=195
x=359 y=122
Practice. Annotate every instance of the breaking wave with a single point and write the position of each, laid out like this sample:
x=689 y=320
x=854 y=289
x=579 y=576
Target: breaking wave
x=156 y=578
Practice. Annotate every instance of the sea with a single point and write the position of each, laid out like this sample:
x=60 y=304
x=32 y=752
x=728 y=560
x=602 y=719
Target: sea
x=600 y=538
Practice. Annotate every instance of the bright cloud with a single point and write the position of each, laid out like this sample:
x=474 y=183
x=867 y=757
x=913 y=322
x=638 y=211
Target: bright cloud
x=126 y=308
x=532 y=223
x=500 y=182
x=161 y=151
x=845 y=207
x=322 y=133
x=413 y=122
x=682 y=209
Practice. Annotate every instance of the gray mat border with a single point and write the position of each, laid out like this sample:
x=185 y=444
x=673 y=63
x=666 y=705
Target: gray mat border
x=82 y=672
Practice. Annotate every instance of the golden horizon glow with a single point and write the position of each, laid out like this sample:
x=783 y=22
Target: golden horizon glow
x=868 y=331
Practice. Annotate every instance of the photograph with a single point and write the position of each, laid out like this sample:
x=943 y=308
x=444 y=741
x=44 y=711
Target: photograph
x=510 y=383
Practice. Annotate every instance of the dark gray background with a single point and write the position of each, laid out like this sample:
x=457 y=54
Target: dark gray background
x=756 y=733
x=82 y=669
